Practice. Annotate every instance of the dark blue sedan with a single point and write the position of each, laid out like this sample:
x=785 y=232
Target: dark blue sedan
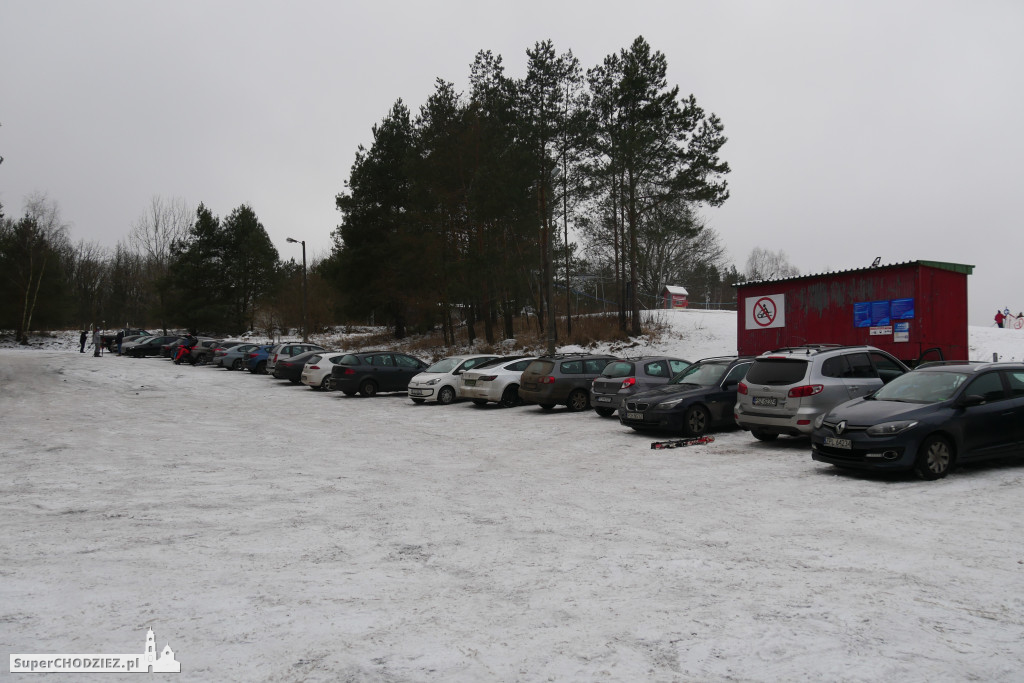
x=928 y=420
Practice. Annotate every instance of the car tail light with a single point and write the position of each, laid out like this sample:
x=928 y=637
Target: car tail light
x=806 y=390
x=348 y=371
x=742 y=388
x=314 y=367
x=275 y=357
x=546 y=380
x=250 y=356
x=628 y=382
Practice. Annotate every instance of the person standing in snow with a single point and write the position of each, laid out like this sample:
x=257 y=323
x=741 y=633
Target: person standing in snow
x=81 y=340
x=97 y=342
x=118 y=338
x=999 y=318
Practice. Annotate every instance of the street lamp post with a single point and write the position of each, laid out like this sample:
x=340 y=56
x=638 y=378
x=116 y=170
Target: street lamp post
x=305 y=327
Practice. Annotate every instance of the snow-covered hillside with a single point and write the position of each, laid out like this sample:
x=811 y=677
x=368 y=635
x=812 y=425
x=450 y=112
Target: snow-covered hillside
x=270 y=532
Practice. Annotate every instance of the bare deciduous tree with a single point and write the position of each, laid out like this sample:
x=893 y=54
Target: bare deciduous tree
x=153 y=235
x=765 y=264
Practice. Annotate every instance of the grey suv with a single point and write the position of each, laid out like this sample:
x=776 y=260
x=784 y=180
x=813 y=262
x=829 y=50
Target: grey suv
x=785 y=390
x=563 y=378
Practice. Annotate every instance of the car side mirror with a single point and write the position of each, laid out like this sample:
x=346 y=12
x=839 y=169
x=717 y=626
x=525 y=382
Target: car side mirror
x=972 y=400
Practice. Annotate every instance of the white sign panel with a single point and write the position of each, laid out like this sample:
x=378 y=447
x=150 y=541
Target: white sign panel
x=764 y=312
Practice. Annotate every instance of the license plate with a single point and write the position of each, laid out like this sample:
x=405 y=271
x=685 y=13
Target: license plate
x=634 y=416
x=604 y=399
x=470 y=382
x=765 y=401
x=833 y=442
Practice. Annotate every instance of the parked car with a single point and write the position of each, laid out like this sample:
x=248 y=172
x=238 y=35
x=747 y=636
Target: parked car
x=170 y=349
x=623 y=378
x=231 y=357
x=696 y=400
x=563 y=378
x=496 y=381
x=110 y=340
x=786 y=390
x=129 y=344
x=202 y=352
x=370 y=372
x=153 y=347
x=289 y=349
x=928 y=421
x=256 y=360
x=317 y=371
x=290 y=367
x=440 y=381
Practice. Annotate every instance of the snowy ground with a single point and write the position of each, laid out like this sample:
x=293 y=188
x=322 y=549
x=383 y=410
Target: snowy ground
x=269 y=532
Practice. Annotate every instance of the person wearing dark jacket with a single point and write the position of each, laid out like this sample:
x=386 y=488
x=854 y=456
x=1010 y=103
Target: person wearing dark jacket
x=81 y=340
x=118 y=338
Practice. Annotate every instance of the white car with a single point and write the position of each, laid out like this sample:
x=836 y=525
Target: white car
x=495 y=382
x=316 y=373
x=439 y=381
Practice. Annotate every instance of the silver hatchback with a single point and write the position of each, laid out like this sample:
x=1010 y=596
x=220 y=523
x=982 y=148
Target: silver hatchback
x=786 y=389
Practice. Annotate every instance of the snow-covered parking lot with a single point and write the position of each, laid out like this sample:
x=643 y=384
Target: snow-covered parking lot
x=271 y=532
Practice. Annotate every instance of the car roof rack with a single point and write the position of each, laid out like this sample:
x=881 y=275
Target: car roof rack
x=574 y=354
x=806 y=348
x=936 y=363
x=717 y=358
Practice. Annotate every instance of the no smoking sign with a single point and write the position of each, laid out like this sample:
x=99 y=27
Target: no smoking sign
x=764 y=312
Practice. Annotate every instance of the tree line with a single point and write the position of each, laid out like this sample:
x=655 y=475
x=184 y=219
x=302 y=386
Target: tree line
x=178 y=267
x=517 y=192
x=560 y=193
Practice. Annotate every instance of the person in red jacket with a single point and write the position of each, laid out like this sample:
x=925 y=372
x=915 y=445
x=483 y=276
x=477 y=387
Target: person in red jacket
x=1000 y=318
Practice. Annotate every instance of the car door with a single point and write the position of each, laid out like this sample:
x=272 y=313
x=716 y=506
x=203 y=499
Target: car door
x=383 y=371
x=722 y=400
x=989 y=429
x=406 y=367
x=1015 y=385
x=862 y=379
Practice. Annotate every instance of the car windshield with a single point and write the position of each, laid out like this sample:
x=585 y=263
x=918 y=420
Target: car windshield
x=618 y=369
x=700 y=374
x=446 y=365
x=921 y=387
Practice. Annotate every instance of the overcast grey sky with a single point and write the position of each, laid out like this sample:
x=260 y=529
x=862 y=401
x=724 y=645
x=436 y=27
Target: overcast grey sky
x=856 y=129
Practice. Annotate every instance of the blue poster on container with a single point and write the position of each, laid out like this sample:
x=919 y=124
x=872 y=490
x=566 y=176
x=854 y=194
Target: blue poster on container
x=862 y=314
x=880 y=314
x=902 y=309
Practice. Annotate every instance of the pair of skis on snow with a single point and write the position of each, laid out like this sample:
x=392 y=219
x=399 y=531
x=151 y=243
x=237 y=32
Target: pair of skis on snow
x=681 y=443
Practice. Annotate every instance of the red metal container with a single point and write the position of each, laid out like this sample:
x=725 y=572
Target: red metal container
x=905 y=309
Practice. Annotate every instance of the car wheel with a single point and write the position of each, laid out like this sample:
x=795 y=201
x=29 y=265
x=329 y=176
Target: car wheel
x=934 y=458
x=480 y=401
x=419 y=400
x=695 y=421
x=578 y=400
x=446 y=396
x=547 y=406
x=605 y=412
x=327 y=383
x=762 y=435
x=368 y=388
x=236 y=364
x=510 y=397
x=203 y=359
x=261 y=367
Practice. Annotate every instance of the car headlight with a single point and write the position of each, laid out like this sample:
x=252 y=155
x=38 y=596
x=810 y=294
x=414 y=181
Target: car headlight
x=890 y=428
x=820 y=420
x=432 y=381
x=670 y=404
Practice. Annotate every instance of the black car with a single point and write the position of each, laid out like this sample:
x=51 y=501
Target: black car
x=151 y=348
x=290 y=368
x=368 y=372
x=700 y=397
x=928 y=420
